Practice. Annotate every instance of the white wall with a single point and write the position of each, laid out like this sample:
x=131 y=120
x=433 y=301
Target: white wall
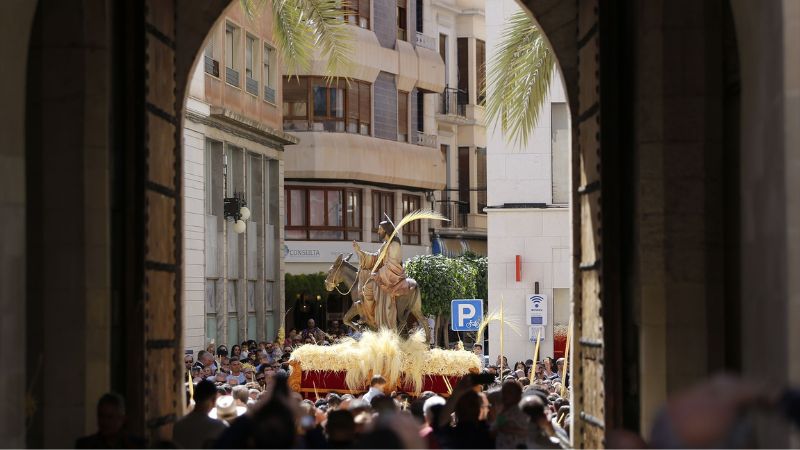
x=194 y=237
x=541 y=236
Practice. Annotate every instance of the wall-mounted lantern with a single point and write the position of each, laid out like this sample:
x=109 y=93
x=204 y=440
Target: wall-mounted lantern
x=236 y=209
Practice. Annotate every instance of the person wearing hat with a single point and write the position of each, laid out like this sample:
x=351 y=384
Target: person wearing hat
x=197 y=429
x=226 y=409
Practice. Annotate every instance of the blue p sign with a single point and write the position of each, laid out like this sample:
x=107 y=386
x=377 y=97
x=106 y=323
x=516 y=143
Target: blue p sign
x=466 y=314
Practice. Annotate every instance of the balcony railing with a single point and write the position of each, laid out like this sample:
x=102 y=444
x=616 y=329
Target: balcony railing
x=454 y=210
x=453 y=102
x=232 y=76
x=425 y=140
x=251 y=86
x=425 y=41
x=269 y=94
x=212 y=66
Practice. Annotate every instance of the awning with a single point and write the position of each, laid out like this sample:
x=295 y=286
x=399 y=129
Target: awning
x=456 y=247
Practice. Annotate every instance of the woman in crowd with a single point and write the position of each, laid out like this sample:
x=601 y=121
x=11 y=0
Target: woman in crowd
x=550 y=368
x=236 y=351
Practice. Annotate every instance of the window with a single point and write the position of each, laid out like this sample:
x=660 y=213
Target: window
x=402 y=116
x=211 y=60
x=311 y=104
x=322 y=213
x=213 y=177
x=462 y=57
x=560 y=148
x=420 y=111
x=328 y=101
x=411 y=232
x=443 y=54
x=232 y=59
x=419 y=10
x=480 y=163
x=402 y=18
x=464 y=206
x=480 y=70
x=268 y=76
x=382 y=203
x=357 y=13
x=251 y=82
x=211 y=309
x=295 y=104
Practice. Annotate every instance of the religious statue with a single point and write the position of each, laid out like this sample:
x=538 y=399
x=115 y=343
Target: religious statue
x=381 y=288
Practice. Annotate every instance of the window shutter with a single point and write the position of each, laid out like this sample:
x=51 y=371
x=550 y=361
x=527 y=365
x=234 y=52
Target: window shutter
x=363 y=13
x=402 y=114
x=364 y=102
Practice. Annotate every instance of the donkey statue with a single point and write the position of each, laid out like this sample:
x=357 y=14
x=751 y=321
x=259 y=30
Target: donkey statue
x=408 y=305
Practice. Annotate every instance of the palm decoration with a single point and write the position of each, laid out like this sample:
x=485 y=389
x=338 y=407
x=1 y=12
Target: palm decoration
x=301 y=27
x=519 y=78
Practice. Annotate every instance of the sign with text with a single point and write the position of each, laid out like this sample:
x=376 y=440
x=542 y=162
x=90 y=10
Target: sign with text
x=536 y=306
x=466 y=314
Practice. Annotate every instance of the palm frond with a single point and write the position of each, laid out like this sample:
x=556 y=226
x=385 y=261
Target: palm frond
x=408 y=218
x=293 y=36
x=332 y=37
x=301 y=27
x=519 y=79
x=494 y=316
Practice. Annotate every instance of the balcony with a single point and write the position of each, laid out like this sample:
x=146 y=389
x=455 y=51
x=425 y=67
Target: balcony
x=232 y=76
x=425 y=41
x=453 y=102
x=456 y=211
x=251 y=86
x=349 y=156
x=425 y=140
x=269 y=94
x=212 y=66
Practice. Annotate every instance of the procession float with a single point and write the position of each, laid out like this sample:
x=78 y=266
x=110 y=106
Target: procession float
x=393 y=332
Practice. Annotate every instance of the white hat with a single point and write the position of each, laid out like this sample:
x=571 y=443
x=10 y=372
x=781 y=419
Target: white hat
x=226 y=409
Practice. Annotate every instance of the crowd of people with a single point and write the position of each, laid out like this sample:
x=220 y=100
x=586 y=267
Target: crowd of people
x=240 y=398
x=482 y=411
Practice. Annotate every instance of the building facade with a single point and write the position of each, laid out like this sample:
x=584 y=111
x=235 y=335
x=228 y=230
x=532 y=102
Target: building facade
x=367 y=146
x=233 y=157
x=459 y=27
x=529 y=223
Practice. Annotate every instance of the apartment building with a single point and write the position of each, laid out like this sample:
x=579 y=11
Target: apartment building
x=367 y=148
x=457 y=120
x=233 y=159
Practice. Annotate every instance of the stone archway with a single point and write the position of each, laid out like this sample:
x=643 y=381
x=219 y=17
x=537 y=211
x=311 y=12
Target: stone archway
x=139 y=73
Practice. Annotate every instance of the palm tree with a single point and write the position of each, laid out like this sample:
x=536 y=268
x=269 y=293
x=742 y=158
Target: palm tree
x=302 y=26
x=519 y=78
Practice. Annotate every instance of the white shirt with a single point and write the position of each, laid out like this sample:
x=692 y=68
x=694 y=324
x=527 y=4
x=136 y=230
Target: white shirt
x=372 y=393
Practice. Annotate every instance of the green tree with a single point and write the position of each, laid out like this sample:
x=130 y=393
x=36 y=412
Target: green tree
x=481 y=264
x=302 y=26
x=519 y=77
x=442 y=279
x=311 y=285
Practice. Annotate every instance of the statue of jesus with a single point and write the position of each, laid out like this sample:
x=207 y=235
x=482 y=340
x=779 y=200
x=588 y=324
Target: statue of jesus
x=381 y=288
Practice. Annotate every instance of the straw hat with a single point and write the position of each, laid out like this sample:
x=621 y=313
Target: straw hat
x=226 y=409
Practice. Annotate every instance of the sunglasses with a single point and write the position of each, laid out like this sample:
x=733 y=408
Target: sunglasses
x=260 y=378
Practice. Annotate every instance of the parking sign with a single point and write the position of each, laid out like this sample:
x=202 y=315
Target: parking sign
x=466 y=314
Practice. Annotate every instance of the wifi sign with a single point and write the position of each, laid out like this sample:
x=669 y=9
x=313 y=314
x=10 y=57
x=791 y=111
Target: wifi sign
x=537 y=309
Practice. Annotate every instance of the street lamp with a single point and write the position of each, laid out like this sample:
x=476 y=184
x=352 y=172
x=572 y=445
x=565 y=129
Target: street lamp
x=236 y=209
